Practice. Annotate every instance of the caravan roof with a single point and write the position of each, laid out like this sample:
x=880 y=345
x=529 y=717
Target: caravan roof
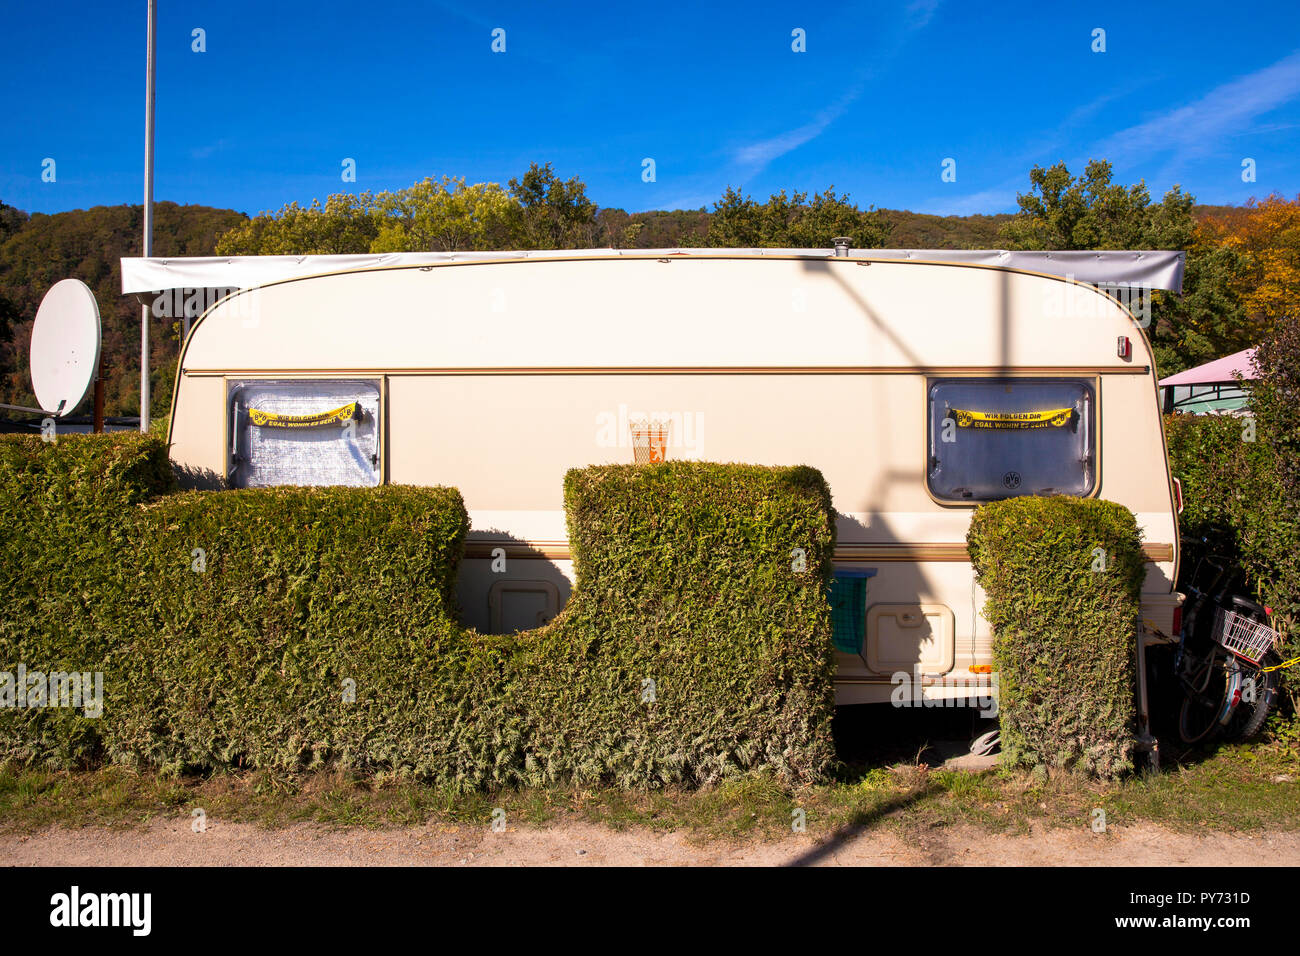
x=1134 y=268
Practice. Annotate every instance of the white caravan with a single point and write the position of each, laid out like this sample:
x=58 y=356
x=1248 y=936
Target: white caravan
x=919 y=383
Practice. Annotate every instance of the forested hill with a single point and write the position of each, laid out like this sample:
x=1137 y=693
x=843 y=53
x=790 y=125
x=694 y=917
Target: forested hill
x=38 y=250
x=915 y=230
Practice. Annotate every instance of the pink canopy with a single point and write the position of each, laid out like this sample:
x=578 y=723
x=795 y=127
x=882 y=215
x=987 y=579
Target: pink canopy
x=1218 y=371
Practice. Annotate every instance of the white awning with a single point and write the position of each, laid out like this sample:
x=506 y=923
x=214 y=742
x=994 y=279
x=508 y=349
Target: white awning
x=1135 y=269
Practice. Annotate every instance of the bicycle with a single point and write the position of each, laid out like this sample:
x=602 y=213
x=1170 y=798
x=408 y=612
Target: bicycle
x=1225 y=661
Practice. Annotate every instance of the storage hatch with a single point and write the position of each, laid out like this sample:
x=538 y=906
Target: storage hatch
x=521 y=605
x=913 y=638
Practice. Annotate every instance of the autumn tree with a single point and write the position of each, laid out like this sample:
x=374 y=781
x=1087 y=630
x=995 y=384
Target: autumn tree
x=1062 y=211
x=555 y=213
x=793 y=221
x=1243 y=280
x=346 y=223
x=445 y=217
x=617 y=229
x=539 y=211
x=1266 y=243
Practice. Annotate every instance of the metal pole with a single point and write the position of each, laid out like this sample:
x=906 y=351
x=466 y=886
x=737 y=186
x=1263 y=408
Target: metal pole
x=99 y=396
x=148 y=215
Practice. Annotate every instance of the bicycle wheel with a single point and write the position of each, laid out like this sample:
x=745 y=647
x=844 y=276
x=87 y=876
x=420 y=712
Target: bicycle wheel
x=1198 y=719
x=1249 y=717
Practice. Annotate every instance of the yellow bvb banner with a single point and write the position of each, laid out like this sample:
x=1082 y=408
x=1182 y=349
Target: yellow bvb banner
x=1051 y=418
x=274 y=420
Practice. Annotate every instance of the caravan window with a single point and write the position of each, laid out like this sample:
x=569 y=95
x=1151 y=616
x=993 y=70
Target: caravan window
x=295 y=432
x=1002 y=437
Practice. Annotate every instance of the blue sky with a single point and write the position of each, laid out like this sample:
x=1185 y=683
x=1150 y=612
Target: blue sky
x=714 y=94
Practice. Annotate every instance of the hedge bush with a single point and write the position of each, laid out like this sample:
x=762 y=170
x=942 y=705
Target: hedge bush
x=1273 y=401
x=318 y=628
x=230 y=625
x=65 y=513
x=692 y=649
x=1064 y=634
x=1236 y=502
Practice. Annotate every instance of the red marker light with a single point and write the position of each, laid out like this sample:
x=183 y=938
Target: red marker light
x=1124 y=348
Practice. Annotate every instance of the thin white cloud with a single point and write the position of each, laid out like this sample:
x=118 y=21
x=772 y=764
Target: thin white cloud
x=1002 y=196
x=1275 y=127
x=1200 y=127
x=469 y=16
x=921 y=12
x=988 y=201
x=1178 y=134
x=757 y=155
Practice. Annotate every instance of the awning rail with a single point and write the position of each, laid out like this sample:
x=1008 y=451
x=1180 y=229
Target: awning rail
x=1135 y=269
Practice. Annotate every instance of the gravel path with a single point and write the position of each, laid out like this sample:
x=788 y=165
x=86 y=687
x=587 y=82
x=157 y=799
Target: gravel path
x=237 y=844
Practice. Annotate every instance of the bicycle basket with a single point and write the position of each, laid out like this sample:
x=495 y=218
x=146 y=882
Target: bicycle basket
x=1242 y=636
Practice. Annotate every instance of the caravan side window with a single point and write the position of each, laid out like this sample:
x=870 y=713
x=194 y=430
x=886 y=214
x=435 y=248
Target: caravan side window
x=303 y=432
x=992 y=438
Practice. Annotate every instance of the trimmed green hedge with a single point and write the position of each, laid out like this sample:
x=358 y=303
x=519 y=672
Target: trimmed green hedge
x=65 y=510
x=232 y=627
x=1064 y=634
x=1235 y=497
x=691 y=649
x=305 y=595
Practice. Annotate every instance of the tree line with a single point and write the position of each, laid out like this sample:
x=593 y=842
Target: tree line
x=1242 y=279
x=1242 y=264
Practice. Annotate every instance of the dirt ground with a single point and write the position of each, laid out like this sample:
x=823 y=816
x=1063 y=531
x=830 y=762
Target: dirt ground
x=174 y=843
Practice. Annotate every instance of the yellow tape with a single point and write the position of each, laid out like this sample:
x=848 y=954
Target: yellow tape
x=1051 y=418
x=274 y=420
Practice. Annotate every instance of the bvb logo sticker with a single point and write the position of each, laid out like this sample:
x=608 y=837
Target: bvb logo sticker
x=1011 y=479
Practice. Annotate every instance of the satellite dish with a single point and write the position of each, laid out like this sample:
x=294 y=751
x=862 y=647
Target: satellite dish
x=65 y=346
